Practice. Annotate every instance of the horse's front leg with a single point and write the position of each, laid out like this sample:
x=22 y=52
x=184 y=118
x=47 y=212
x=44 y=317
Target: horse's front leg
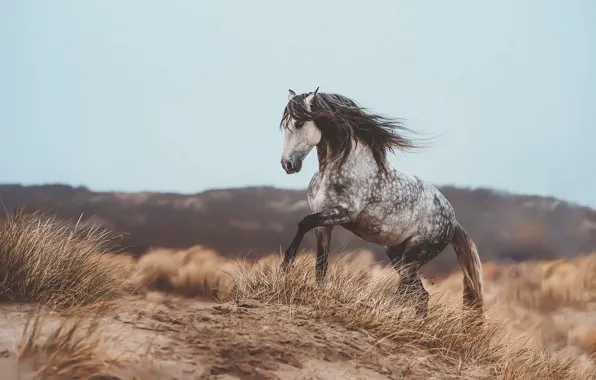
x=323 y=243
x=329 y=217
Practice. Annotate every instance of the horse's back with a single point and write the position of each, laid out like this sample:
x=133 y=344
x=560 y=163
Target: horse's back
x=404 y=206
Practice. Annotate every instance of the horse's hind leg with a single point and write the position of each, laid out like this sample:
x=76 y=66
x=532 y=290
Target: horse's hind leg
x=411 y=284
x=407 y=258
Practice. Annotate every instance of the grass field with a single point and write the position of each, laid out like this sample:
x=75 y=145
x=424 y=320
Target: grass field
x=72 y=310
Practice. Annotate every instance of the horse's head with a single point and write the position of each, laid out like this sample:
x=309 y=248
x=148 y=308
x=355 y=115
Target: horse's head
x=301 y=132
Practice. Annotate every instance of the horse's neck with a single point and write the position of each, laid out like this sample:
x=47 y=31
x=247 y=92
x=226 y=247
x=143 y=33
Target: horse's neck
x=323 y=156
x=360 y=157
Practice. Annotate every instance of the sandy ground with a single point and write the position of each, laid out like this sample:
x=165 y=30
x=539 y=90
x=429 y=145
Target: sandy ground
x=150 y=334
x=158 y=328
x=240 y=340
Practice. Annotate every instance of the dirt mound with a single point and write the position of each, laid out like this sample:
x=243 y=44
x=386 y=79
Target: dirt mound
x=195 y=315
x=244 y=339
x=285 y=326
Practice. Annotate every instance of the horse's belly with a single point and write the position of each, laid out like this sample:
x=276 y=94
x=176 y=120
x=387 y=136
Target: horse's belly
x=378 y=233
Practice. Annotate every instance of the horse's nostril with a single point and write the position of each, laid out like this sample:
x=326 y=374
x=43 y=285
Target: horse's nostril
x=289 y=165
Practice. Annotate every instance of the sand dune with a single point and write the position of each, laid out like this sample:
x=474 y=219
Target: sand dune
x=195 y=314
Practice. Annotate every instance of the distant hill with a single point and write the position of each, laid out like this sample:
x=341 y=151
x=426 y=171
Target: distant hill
x=261 y=220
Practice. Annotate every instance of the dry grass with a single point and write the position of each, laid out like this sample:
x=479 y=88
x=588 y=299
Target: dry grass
x=351 y=296
x=71 y=351
x=552 y=285
x=46 y=260
x=189 y=273
x=553 y=303
x=202 y=272
x=50 y=262
x=360 y=294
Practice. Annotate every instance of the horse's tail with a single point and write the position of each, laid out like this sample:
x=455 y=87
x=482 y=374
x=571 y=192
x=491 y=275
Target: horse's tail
x=472 y=268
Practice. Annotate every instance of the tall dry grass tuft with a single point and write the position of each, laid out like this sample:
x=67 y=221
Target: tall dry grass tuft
x=559 y=294
x=46 y=260
x=352 y=296
x=551 y=303
x=71 y=351
x=552 y=285
x=191 y=273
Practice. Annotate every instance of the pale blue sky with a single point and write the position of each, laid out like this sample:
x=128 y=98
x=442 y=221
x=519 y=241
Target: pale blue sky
x=187 y=95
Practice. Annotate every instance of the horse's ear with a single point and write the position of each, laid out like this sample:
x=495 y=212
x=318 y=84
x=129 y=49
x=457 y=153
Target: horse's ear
x=309 y=99
x=291 y=94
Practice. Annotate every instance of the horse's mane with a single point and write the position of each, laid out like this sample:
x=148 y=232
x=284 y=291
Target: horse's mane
x=342 y=121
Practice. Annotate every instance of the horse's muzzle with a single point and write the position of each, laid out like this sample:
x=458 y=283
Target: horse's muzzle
x=291 y=166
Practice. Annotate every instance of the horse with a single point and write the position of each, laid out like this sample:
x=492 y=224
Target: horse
x=356 y=188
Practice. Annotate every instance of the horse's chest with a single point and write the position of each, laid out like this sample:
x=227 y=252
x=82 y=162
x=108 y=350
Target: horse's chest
x=318 y=197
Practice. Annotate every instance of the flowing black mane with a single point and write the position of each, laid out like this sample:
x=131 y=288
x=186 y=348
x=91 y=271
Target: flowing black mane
x=342 y=121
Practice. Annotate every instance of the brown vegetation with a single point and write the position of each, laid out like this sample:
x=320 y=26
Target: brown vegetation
x=553 y=302
x=361 y=301
x=193 y=272
x=64 y=354
x=46 y=260
x=263 y=323
x=359 y=294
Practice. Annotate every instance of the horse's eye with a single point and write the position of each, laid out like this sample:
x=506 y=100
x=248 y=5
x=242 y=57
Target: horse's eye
x=299 y=124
